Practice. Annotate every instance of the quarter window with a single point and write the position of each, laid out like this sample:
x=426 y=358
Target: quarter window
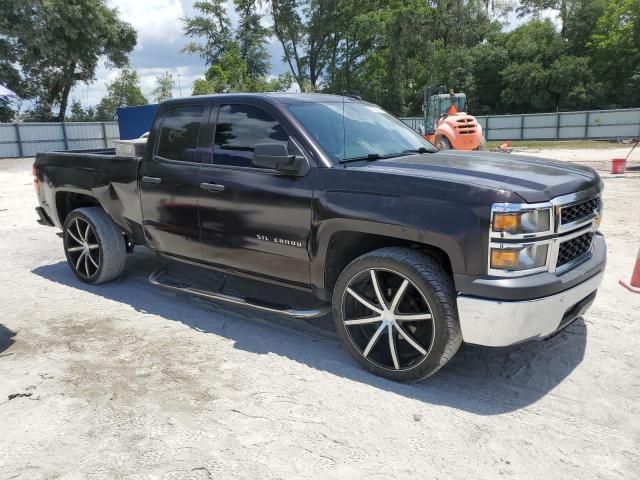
x=179 y=133
x=239 y=129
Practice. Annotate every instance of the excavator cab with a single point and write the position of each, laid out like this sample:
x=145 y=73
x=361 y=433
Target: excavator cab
x=446 y=123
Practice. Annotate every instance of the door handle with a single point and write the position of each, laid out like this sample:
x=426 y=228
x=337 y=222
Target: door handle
x=146 y=179
x=212 y=187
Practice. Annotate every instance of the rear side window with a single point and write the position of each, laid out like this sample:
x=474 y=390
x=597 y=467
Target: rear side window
x=179 y=133
x=239 y=129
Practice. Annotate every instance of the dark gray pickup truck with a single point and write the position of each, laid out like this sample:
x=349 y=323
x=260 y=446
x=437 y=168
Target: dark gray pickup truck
x=323 y=202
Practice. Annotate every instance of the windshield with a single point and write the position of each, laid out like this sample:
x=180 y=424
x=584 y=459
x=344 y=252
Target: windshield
x=349 y=131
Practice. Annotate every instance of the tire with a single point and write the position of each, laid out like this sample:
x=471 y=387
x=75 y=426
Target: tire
x=443 y=144
x=94 y=245
x=483 y=144
x=429 y=291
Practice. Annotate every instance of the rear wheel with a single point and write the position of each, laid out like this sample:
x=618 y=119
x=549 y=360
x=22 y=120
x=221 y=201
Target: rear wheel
x=443 y=144
x=94 y=245
x=395 y=311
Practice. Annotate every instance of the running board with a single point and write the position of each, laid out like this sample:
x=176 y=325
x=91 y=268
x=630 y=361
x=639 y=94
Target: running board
x=156 y=278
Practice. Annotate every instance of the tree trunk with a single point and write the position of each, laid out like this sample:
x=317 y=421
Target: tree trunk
x=64 y=101
x=66 y=89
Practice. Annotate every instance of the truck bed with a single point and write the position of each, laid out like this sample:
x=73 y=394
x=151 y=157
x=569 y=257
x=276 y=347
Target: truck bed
x=98 y=174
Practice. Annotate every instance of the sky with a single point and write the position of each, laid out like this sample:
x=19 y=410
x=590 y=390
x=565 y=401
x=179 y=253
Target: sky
x=160 y=41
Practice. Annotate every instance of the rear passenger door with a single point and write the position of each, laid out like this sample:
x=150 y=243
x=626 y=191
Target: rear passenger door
x=169 y=182
x=254 y=220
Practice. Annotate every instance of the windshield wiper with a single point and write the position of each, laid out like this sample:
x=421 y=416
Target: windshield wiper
x=370 y=157
x=418 y=150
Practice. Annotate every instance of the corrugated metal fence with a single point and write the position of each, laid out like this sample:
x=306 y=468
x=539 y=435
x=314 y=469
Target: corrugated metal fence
x=27 y=139
x=593 y=124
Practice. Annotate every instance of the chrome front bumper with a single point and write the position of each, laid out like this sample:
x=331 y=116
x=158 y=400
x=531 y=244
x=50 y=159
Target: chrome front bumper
x=501 y=323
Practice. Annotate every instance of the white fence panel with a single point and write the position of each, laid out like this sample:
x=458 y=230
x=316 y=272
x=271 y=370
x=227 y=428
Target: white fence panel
x=30 y=149
x=8 y=132
x=76 y=131
x=36 y=132
x=28 y=139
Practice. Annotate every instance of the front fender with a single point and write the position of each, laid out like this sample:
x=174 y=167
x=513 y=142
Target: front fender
x=450 y=217
x=326 y=230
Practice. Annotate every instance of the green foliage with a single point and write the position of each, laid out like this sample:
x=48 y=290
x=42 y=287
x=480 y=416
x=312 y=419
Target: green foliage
x=238 y=61
x=251 y=37
x=384 y=50
x=230 y=74
x=80 y=114
x=163 y=89
x=58 y=43
x=6 y=112
x=388 y=50
x=211 y=24
x=615 y=45
x=124 y=91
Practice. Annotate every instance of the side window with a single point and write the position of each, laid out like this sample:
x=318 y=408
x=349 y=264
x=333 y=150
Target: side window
x=179 y=133
x=239 y=129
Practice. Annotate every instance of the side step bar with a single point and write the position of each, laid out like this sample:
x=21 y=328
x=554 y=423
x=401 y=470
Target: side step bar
x=156 y=278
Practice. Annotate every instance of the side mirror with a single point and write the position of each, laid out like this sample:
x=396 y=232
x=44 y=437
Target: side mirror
x=275 y=156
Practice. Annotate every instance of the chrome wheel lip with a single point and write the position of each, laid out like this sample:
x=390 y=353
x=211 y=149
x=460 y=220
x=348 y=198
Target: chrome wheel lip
x=79 y=242
x=383 y=322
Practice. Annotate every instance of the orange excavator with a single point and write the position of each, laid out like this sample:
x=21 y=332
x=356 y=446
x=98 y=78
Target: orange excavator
x=446 y=123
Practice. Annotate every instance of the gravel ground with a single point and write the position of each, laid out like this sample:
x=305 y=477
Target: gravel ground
x=127 y=381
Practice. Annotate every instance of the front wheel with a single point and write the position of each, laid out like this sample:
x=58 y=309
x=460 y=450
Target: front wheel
x=483 y=144
x=443 y=144
x=94 y=245
x=395 y=311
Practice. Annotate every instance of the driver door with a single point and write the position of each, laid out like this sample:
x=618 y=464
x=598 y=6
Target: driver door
x=253 y=220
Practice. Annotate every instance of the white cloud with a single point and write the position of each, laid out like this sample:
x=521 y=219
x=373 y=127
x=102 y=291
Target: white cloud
x=152 y=19
x=184 y=77
x=160 y=41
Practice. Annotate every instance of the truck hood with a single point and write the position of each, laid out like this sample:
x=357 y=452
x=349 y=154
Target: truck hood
x=534 y=179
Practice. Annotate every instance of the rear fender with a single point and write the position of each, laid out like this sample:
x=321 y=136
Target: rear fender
x=111 y=181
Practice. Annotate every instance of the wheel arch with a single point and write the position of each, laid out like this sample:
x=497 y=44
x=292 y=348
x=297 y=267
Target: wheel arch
x=344 y=246
x=68 y=200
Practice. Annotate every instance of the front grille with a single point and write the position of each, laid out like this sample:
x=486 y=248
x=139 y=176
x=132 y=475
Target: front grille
x=574 y=248
x=575 y=212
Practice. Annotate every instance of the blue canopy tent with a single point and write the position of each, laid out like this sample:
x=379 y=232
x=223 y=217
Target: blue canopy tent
x=5 y=93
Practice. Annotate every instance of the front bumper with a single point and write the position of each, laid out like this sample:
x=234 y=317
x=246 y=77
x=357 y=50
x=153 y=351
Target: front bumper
x=499 y=323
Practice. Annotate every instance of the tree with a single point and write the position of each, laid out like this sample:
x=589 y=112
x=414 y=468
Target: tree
x=79 y=113
x=577 y=18
x=123 y=91
x=615 y=46
x=58 y=43
x=307 y=31
x=164 y=87
x=230 y=74
x=541 y=74
x=211 y=24
x=251 y=37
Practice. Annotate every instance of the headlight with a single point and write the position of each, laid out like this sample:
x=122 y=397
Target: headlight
x=520 y=223
x=520 y=257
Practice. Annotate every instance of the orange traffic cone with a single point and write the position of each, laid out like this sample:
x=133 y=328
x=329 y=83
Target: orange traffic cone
x=634 y=285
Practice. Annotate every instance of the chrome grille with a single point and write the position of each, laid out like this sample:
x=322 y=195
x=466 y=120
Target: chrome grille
x=577 y=211
x=573 y=249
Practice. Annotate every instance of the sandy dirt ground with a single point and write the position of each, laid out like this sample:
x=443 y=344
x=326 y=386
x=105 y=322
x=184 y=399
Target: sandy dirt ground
x=127 y=381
